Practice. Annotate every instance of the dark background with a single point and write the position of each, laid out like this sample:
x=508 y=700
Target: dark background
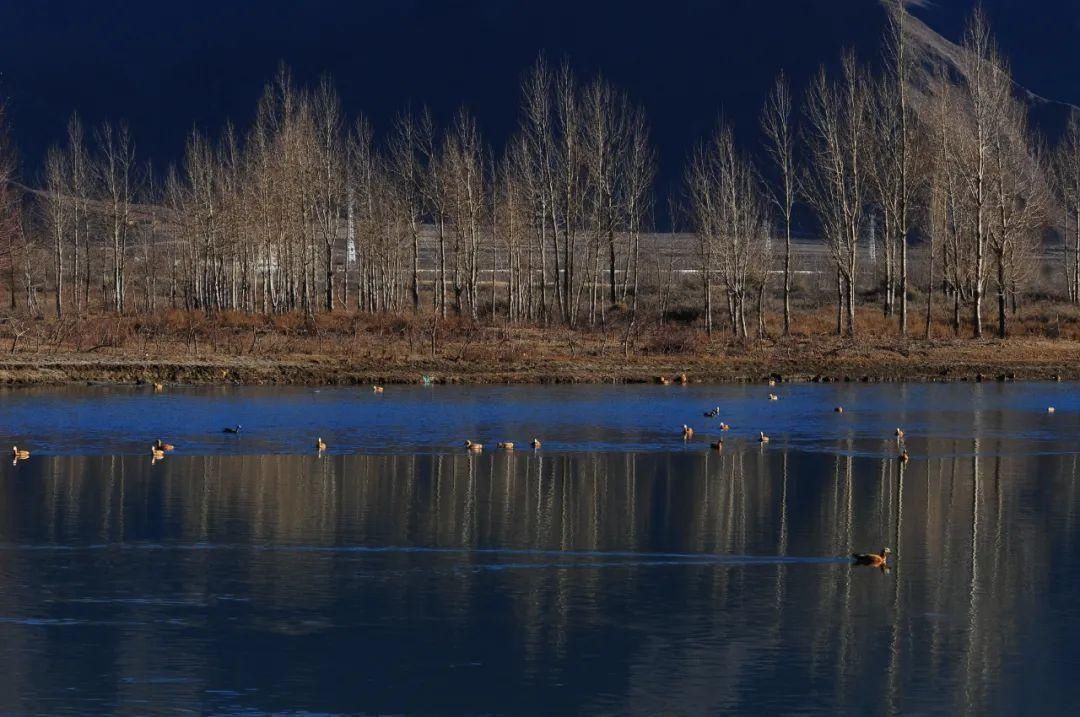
x=165 y=68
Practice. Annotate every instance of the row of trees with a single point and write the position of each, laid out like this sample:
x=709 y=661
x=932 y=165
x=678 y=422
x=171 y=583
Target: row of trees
x=942 y=153
x=307 y=212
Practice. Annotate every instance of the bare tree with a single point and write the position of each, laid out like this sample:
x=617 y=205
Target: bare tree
x=835 y=184
x=117 y=181
x=987 y=86
x=56 y=203
x=897 y=161
x=330 y=151
x=11 y=215
x=1067 y=171
x=776 y=120
x=1020 y=203
x=406 y=167
x=729 y=217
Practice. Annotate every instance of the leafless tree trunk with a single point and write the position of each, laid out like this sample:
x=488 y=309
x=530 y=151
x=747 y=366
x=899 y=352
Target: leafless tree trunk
x=116 y=176
x=777 y=124
x=837 y=134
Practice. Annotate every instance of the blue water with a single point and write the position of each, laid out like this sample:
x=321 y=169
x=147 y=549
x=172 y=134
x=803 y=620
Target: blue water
x=406 y=419
x=618 y=570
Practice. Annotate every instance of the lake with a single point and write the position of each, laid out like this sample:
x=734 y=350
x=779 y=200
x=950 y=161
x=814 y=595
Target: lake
x=617 y=570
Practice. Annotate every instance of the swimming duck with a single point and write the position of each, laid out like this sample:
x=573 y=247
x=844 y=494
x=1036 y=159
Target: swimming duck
x=899 y=435
x=475 y=447
x=838 y=409
x=876 y=560
x=535 y=443
x=687 y=432
x=156 y=453
x=232 y=429
x=1050 y=409
x=158 y=387
x=762 y=438
x=773 y=397
x=663 y=380
x=19 y=455
x=683 y=379
x=506 y=446
x=377 y=389
x=718 y=444
x=772 y=381
x=903 y=456
x=320 y=444
x=162 y=446
x=724 y=426
x=713 y=413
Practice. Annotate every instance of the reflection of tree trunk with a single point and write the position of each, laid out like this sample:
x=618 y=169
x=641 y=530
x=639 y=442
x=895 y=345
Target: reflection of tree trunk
x=970 y=658
x=896 y=614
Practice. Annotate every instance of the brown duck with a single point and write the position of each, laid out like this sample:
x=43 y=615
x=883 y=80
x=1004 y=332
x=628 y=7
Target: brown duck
x=874 y=560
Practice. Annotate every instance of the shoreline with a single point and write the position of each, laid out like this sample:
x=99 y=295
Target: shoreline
x=1015 y=359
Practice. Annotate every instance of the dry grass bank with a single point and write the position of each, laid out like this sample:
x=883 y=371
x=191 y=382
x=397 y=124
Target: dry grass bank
x=183 y=347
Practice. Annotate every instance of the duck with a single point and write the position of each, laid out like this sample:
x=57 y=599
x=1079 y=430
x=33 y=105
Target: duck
x=536 y=443
x=158 y=387
x=687 y=432
x=377 y=389
x=19 y=455
x=903 y=456
x=899 y=435
x=875 y=560
x=320 y=444
x=232 y=429
x=762 y=438
x=838 y=409
x=773 y=397
x=663 y=380
x=162 y=446
x=506 y=446
x=1050 y=409
x=156 y=453
x=772 y=381
x=713 y=413
x=718 y=444
x=724 y=426
x=683 y=379
x=475 y=447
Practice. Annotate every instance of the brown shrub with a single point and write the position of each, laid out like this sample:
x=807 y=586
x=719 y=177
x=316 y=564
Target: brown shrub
x=668 y=340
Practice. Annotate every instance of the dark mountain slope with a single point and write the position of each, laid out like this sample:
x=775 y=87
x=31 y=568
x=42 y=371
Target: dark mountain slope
x=166 y=67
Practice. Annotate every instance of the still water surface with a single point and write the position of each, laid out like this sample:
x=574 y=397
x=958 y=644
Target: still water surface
x=616 y=571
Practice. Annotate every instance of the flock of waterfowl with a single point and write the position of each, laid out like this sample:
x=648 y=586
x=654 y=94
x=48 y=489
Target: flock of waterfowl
x=763 y=438
x=474 y=447
x=160 y=448
x=878 y=560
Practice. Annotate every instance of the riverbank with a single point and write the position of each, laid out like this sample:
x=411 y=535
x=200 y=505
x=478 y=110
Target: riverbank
x=591 y=361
